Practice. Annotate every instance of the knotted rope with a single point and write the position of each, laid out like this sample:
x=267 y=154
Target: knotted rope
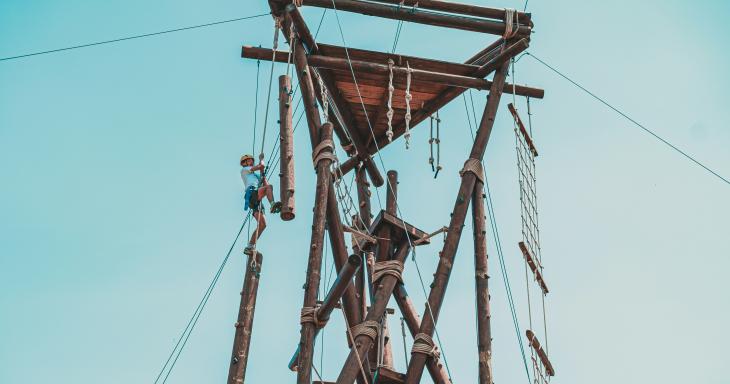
x=320 y=153
x=391 y=88
x=309 y=315
x=388 y=268
x=424 y=344
x=325 y=99
x=367 y=328
x=510 y=23
x=407 y=135
x=474 y=166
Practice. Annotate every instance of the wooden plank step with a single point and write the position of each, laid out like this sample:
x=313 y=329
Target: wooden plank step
x=527 y=137
x=540 y=353
x=534 y=267
x=386 y=375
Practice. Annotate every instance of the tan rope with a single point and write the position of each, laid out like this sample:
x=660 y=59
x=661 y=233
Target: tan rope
x=391 y=89
x=474 y=166
x=510 y=23
x=424 y=344
x=407 y=134
x=388 y=268
x=319 y=152
x=367 y=328
x=309 y=315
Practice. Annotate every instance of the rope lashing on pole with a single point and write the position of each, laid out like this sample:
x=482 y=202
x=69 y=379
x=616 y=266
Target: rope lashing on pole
x=388 y=268
x=368 y=328
x=391 y=88
x=473 y=166
x=292 y=47
x=309 y=315
x=424 y=344
x=325 y=99
x=510 y=23
x=407 y=134
x=323 y=150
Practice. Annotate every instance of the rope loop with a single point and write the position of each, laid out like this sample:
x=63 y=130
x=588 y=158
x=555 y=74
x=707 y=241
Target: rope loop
x=368 y=328
x=310 y=315
x=424 y=344
x=473 y=166
x=388 y=268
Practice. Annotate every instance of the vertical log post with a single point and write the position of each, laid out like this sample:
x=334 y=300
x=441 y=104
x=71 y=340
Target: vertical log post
x=244 y=325
x=286 y=137
x=391 y=206
x=383 y=291
x=484 y=329
x=362 y=282
x=410 y=315
x=322 y=156
x=448 y=253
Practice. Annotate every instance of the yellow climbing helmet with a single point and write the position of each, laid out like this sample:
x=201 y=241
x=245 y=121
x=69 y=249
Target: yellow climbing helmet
x=245 y=157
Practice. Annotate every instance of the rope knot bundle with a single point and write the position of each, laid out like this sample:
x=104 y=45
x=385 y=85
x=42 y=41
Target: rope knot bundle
x=320 y=153
x=388 y=268
x=510 y=23
x=391 y=89
x=309 y=315
x=424 y=344
x=367 y=328
x=474 y=166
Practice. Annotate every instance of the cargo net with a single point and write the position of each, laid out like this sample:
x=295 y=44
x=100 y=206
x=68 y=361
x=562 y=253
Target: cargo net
x=542 y=369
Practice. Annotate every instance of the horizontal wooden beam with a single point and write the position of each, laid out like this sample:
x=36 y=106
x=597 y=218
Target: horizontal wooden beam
x=463 y=9
x=418 y=16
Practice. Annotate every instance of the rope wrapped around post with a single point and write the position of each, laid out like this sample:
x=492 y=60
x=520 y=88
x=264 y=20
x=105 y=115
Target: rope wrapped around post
x=474 y=166
x=388 y=268
x=367 y=328
x=510 y=23
x=320 y=153
x=309 y=315
x=424 y=344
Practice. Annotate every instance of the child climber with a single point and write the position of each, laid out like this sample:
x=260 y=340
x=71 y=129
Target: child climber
x=256 y=188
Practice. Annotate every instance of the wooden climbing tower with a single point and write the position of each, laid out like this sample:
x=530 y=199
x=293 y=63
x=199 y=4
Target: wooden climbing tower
x=370 y=100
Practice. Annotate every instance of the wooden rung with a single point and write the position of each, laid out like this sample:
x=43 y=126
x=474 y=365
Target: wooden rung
x=540 y=353
x=534 y=267
x=526 y=135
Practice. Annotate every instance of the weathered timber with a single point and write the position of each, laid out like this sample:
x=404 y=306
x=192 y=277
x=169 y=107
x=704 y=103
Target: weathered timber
x=244 y=325
x=448 y=253
x=286 y=152
x=484 y=328
x=463 y=9
x=383 y=291
x=417 y=16
x=523 y=131
x=314 y=266
x=540 y=353
x=410 y=315
x=391 y=206
x=331 y=301
x=362 y=282
x=535 y=267
x=306 y=88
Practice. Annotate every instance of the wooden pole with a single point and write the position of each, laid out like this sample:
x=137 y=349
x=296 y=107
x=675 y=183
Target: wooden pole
x=391 y=206
x=314 y=266
x=286 y=152
x=484 y=329
x=362 y=281
x=417 y=16
x=448 y=254
x=244 y=325
x=363 y=343
x=410 y=315
x=306 y=87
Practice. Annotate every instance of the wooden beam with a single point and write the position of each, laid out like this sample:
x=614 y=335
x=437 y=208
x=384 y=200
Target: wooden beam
x=244 y=325
x=484 y=327
x=417 y=16
x=540 y=353
x=286 y=150
x=448 y=253
x=526 y=135
x=314 y=265
x=463 y=9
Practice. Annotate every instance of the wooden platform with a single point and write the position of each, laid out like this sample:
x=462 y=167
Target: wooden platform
x=401 y=228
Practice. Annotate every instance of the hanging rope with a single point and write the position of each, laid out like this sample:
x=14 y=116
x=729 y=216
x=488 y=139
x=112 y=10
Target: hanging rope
x=325 y=99
x=391 y=88
x=292 y=47
x=277 y=25
x=407 y=135
x=430 y=145
x=438 y=146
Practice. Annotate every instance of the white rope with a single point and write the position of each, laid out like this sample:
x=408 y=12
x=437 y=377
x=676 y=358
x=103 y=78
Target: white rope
x=277 y=25
x=407 y=135
x=325 y=100
x=391 y=88
x=510 y=23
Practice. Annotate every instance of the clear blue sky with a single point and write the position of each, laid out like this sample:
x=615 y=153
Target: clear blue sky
x=121 y=193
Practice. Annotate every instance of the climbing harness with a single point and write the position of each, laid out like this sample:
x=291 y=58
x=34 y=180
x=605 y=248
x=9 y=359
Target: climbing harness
x=407 y=134
x=391 y=88
x=435 y=140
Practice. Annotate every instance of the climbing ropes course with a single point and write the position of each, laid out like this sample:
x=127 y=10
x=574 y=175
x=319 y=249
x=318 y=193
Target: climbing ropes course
x=363 y=101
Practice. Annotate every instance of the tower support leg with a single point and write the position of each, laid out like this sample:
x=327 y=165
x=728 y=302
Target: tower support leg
x=244 y=325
